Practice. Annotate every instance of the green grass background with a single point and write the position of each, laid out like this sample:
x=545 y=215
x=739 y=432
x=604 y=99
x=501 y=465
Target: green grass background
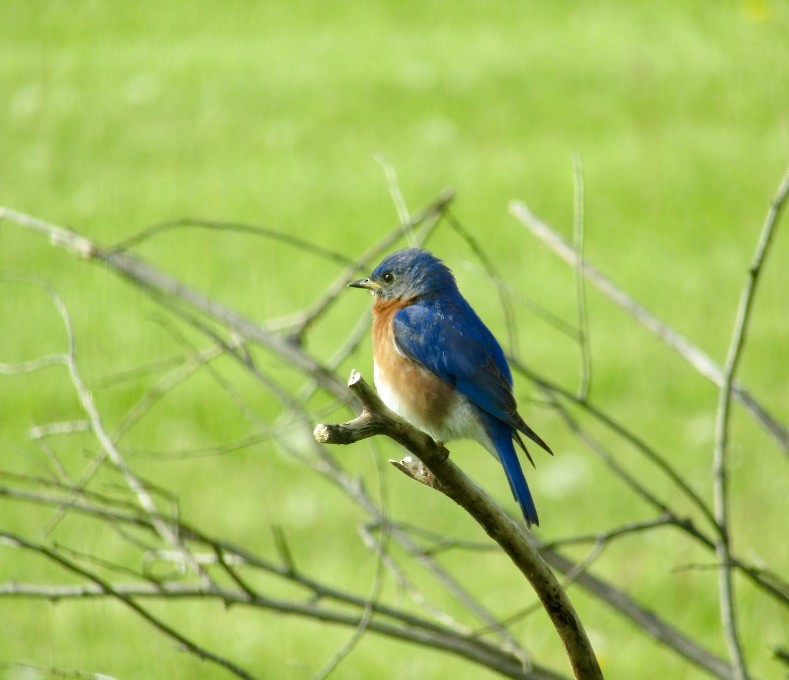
x=117 y=115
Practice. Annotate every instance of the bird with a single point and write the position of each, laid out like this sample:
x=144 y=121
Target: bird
x=439 y=367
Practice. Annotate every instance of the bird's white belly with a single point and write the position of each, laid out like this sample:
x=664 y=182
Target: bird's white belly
x=459 y=422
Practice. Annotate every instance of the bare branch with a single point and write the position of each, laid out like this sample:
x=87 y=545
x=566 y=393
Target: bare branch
x=367 y=613
x=107 y=443
x=645 y=619
x=59 y=428
x=106 y=588
x=431 y=636
x=41 y=671
x=553 y=390
x=580 y=287
x=702 y=362
x=232 y=227
x=408 y=627
x=450 y=480
x=719 y=472
x=768 y=581
x=33 y=365
x=610 y=534
x=299 y=323
x=493 y=275
x=397 y=197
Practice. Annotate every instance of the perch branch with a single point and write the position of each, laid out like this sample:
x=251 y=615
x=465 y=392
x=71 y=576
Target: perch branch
x=445 y=476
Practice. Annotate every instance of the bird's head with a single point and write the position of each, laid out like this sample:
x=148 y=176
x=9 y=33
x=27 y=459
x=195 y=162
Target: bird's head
x=407 y=274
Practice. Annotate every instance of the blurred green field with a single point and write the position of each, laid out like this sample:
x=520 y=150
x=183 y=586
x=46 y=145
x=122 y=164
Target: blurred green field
x=115 y=116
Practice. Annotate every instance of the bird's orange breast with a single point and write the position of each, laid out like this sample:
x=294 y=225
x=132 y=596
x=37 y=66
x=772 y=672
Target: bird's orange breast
x=423 y=398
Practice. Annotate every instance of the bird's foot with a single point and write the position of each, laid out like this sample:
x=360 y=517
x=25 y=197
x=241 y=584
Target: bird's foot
x=444 y=450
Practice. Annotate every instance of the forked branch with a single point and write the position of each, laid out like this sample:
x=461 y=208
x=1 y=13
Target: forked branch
x=442 y=474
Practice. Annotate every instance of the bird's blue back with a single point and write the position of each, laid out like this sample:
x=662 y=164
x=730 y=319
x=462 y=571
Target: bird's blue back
x=444 y=334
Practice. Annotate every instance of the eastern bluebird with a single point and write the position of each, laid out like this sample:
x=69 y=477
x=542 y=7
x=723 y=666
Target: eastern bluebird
x=440 y=368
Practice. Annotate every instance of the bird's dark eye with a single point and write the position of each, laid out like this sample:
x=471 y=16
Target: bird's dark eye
x=387 y=277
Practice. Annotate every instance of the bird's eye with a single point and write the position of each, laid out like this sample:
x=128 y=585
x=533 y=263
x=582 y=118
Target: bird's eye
x=387 y=277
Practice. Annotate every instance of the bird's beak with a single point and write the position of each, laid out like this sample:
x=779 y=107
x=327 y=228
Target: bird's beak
x=365 y=283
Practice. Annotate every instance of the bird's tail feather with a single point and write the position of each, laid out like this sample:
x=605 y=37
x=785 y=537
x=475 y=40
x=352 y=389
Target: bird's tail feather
x=531 y=434
x=505 y=448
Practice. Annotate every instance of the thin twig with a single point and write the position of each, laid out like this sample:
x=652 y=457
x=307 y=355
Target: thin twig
x=433 y=637
x=33 y=365
x=515 y=296
x=493 y=274
x=138 y=372
x=403 y=215
x=612 y=596
x=700 y=361
x=554 y=390
x=163 y=386
x=580 y=281
x=719 y=472
x=42 y=671
x=59 y=428
x=382 y=551
x=304 y=245
x=108 y=444
x=107 y=588
x=610 y=534
x=770 y=583
x=299 y=323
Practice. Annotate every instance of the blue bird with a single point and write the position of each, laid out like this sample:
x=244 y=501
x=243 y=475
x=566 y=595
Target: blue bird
x=439 y=367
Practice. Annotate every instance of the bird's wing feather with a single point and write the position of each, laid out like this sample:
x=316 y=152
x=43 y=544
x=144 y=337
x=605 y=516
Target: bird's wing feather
x=456 y=346
x=453 y=343
x=502 y=440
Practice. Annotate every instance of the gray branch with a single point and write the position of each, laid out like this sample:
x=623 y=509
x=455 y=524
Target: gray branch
x=698 y=359
x=719 y=471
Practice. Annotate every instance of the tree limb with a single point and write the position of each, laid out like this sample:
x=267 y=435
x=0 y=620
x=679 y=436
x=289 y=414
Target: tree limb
x=445 y=476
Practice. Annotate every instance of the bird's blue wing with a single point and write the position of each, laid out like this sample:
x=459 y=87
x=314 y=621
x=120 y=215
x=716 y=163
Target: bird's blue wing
x=450 y=340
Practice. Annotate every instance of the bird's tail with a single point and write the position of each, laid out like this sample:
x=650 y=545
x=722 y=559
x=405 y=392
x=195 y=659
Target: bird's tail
x=505 y=448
